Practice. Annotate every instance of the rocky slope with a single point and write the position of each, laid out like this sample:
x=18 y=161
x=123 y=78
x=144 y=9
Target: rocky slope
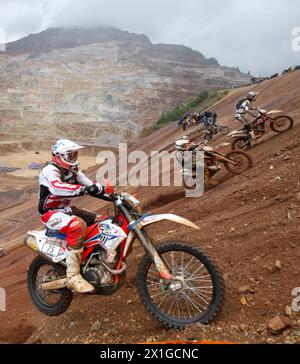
x=249 y=226
x=99 y=85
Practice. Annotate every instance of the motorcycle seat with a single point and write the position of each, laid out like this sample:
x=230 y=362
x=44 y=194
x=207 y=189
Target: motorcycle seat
x=55 y=234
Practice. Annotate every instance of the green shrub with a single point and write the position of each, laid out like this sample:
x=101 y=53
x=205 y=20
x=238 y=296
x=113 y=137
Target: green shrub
x=205 y=98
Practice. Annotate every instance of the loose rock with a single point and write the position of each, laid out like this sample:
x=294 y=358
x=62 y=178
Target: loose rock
x=278 y=324
x=96 y=326
x=243 y=301
x=246 y=290
x=278 y=264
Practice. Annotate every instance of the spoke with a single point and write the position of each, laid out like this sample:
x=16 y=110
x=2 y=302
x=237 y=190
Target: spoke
x=192 y=302
x=178 y=308
x=169 y=263
x=185 y=268
x=171 y=305
x=172 y=262
x=200 y=278
x=197 y=270
x=187 y=304
x=154 y=284
x=159 y=294
x=167 y=294
x=200 y=296
x=202 y=288
x=205 y=293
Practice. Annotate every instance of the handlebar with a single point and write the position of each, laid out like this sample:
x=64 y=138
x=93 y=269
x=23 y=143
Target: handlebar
x=111 y=196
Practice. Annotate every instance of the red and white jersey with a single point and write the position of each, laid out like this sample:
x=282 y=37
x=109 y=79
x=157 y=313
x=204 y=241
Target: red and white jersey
x=57 y=189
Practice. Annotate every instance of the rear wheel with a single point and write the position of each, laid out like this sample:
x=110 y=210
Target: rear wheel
x=241 y=162
x=281 y=124
x=52 y=302
x=195 y=295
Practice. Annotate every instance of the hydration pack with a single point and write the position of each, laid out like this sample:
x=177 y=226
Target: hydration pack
x=240 y=103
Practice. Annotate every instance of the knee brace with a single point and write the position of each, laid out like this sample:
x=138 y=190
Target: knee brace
x=76 y=233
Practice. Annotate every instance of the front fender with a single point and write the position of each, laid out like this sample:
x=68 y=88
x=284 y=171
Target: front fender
x=237 y=134
x=152 y=219
x=274 y=112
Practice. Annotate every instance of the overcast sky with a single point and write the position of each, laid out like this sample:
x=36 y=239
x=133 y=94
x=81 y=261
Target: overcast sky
x=255 y=35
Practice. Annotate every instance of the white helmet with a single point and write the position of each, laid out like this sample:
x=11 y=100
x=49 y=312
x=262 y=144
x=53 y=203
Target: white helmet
x=252 y=95
x=65 y=154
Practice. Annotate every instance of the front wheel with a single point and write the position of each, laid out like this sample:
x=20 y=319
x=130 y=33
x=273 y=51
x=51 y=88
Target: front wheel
x=241 y=144
x=208 y=137
x=281 y=124
x=50 y=303
x=195 y=295
x=241 y=162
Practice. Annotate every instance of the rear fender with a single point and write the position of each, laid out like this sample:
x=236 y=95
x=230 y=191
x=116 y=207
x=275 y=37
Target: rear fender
x=35 y=239
x=38 y=242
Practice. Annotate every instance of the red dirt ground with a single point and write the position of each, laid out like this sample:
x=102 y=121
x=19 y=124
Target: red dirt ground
x=247 y=223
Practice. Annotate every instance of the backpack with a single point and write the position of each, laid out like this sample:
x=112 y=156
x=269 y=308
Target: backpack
x=240 y=103
x=210 y=117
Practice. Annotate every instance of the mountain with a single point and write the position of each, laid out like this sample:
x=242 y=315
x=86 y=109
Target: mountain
x=99 y=85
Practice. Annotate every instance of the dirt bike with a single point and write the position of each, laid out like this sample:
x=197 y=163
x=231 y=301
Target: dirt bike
x=235 y=162
x=214 y=130
x=278 y=124
x=178 y=284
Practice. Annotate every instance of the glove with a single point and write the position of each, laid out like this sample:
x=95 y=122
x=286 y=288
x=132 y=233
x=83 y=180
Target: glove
x=95 y=190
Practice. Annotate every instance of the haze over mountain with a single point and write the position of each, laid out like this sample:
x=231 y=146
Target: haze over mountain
x=99 y=85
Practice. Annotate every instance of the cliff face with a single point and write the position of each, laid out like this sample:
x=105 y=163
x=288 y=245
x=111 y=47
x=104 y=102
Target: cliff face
x=100 y=85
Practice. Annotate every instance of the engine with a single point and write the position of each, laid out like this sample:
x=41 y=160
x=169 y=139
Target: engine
x=96 y=273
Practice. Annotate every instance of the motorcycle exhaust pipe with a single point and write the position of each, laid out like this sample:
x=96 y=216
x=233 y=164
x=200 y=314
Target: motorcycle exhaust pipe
x=113 y=271
x=62 y=283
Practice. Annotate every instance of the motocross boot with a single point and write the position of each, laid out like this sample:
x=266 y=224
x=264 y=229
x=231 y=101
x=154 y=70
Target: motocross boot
x=208 y=177
x=252 y=135
x=75 y=281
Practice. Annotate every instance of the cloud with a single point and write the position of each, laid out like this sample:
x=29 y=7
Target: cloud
x=254 y=35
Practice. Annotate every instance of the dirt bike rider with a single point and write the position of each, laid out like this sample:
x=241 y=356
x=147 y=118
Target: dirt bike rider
x=185 y=121
x=244 y=108
x=211 y=166
x=60 y=181
x=210 y=119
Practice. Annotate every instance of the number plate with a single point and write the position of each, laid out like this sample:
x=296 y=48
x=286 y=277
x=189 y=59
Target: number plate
x=51 y=249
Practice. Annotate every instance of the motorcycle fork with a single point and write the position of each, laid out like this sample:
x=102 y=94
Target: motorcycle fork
x=147 y=244
x=262 y=121
x=223 y=159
